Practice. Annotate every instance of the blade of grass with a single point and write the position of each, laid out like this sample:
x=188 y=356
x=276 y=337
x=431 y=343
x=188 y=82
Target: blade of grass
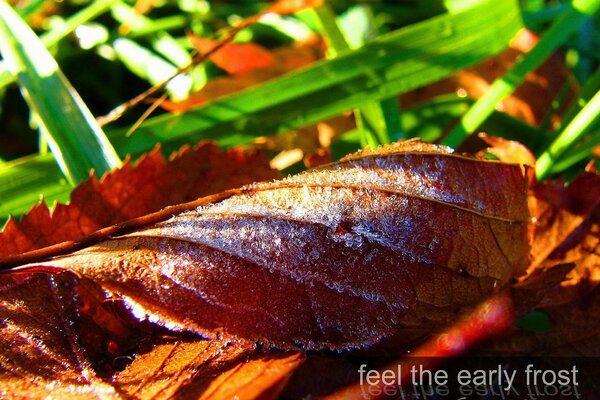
x=577 y=154
x=149 y=66
x=77 y=142
x=584 y=148
x=24 y=180
x=53 y=36
x=574 y=131
x=591 y=87
x=376 y=121
x=556 y=35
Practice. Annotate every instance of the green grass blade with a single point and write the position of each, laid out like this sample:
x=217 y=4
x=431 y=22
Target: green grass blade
x=372 y=119
x=556 y=35
x=143 y=62
x=591 y=87
x=326 y=19
x=574 y=131
x=24 y=180
x=151 y=67
x=53 y=36
x=77 y=142
x=576 y=154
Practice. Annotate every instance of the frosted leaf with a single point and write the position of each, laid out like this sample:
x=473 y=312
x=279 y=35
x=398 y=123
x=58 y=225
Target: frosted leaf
x=385 y=243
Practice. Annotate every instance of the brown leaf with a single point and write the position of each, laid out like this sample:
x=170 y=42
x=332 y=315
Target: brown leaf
x=131 y=192
x=61 y=335
x=563 y=281
x=46 y=346
x=339 y=257
x=558 y=211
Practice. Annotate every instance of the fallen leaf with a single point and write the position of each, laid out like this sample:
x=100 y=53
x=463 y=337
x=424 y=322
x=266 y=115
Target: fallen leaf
x=235 y=58
x=339 y=257
x=508 y=151
x=563 y=279
x=203 y=369
x=131 y=192
x=61 y=335
x=42 y=339
x=558 y=211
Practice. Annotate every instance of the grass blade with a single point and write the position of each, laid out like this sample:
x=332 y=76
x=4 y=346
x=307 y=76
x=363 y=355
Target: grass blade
x=75 y=139
x=574 y=131
x=556 y=35
x=377 y=121
x=52 y=37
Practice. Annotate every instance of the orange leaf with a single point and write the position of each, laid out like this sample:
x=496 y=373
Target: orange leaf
x=207 y=370
x=235 y=58
x=508 y=151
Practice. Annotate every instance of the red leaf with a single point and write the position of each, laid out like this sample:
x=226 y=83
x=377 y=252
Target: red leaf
x=132 y=192
x=235 y=58
x=339 y=257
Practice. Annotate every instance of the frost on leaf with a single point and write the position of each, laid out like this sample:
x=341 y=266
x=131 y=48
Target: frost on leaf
x=345 y=256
